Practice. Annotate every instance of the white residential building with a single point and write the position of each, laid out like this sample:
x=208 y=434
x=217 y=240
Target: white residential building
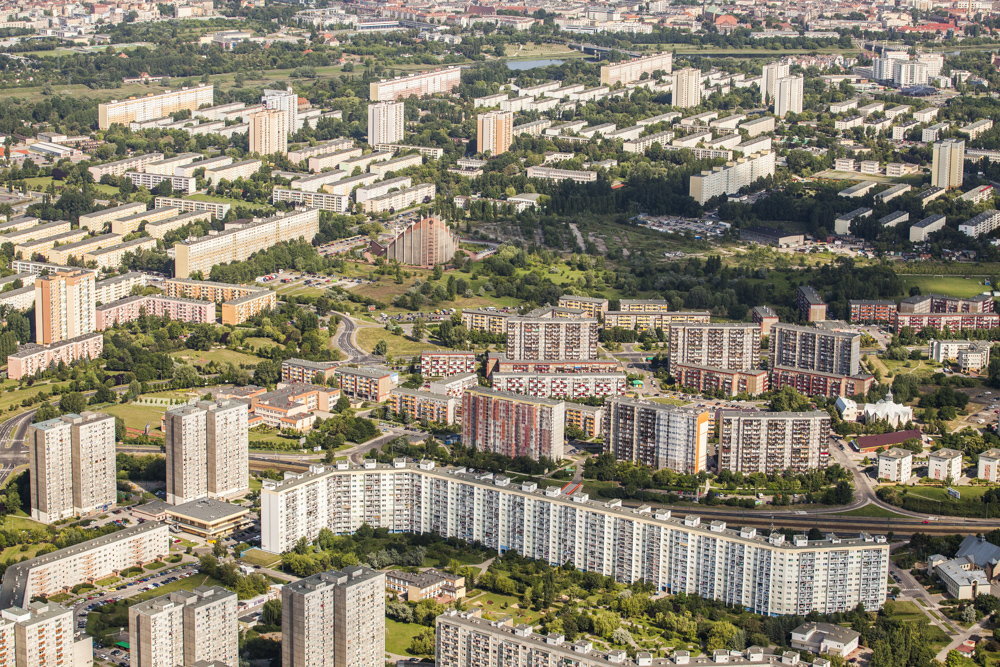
x=945 y=464
x=386 y=122
x=728 y=180
x=788 y=98
x=207 y=451
x=895 y=465
x=989 y=466
x=184 y=628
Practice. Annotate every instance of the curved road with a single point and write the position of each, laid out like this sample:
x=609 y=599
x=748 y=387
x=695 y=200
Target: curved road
x=344 y=340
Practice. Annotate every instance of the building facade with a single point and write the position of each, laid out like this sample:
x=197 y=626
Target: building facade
x=724 y=346
x=561 y=385
x=385 y=122
x=656 y=435
x=948 y=163
x=207 y=450
x=546 y=337
x=513 y=424
x=494 y=132
x=184 y=628
x=32 y=357
x=65 y=305
x=444 y=363
x=154 y=106
x=815 y=350
x=772 y=442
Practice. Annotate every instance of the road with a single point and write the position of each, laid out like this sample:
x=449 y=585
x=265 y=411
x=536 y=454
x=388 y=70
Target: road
x=14 y=452
x=344 y=340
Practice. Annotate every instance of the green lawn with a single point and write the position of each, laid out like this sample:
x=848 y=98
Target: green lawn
x=187 y=584
x=220 y=355
x=872 y=511
x=948 y=285
x=399 y=635
x=108 y=581
x=137 y=416
x=261 y=343
x=258 y=557
x=399 y=346
x=494 y=602
x=21 y=523
x=939 y=493
x=226 y=200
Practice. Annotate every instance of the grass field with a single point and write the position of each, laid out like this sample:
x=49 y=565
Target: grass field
x=495 y=602
x=187 y=584
x=920 y=368
x=137 y=416
x=220 y=355
x=671 y=401
x=299 y=289
x=258 y=557
x=941 y=494
x=948 y=285
x=399 y=635
x=11 y=522
x=261 y=343
x=872 y=511
x=399 y=346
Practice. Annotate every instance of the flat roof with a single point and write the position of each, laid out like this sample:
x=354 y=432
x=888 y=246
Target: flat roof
x=207 y=510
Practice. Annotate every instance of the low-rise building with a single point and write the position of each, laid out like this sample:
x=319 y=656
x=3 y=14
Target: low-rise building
x=945 y=464
x=895 y=465
x=131 y=308
x=561 y=385
x=989 y=465
x=825 y=639
x=712 y=378
x=971 y=355
x=429 y=584
x=304 y=371
x=33 y=357
x=924 y=228
x=113 y=256
x=425 y=405
x=439 y=363
x=242 y=309
x=872 y=311
x=367 y=383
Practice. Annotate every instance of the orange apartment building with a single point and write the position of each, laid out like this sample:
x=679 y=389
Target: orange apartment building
x=711 y=378
x=304 y=371
x=593 y=307
x=425 y=405
x=366 y=383
x=240 y=310
x=587 y=418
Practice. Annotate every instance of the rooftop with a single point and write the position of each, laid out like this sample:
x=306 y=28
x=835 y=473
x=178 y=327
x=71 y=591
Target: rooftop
x=207 y=510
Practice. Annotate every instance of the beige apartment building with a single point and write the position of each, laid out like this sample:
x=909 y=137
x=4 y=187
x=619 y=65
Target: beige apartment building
x=269 y=130
x=548 y=338
x=686 y=88
x=494 y=132
x=207 y=451
x=42 y=634
x=242 y=309
x=36 y=232
x=113 y=256
x=334 y=618
x=772 y=442
x=61 y=254
x=237 y=244
x=424 y=83
x=85 y=562
x=43 y=245
x=728 y=346
x=131 y=223
x=65 y=305
x=385 y=122
x=95 y=221
x=184 y=628
x=633 y=68
x=32 y=357
x=159 y=229
x=400 y=199
x=154 y=106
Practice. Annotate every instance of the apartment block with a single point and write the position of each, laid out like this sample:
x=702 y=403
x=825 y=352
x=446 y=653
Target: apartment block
x=816 y=350
x=812 y=383
x=72 y=464
x=332 y=160
x=494 y=132
x=546 y=337
x=773 y=442
x=244 y=308
x=19 y=298
x=490 y=321
x=172 y=165
x=42 y=634
x=150 y=181
x=119 y=167
x=686 y=88
x=944 y=464
x=765 y=317
x=948 y=163
x=424 y=83
x=370 y=384
x=561 y=385
x=438 y=363
x=86 y=562
x=61 y=254
x=193 y=205
x=113 y=256
x=512 y=424
x=380 y=169
x=64 y=306
x=811 y=306
x=939 y=303
x=334 y=618
x=949 y=321
x=988 y=465
x=98 y=219
x=131 y=223
x=269 y=129
x=712 y=378
x=154 y=106
x=119 y=287
x=553 y=174
x=673 y=554
x=185 y=628
x=425 y=405
x=660 y=436
x=131 y=308
x=498 y=363
x=729 y=179
x=454 y=385
x=291 y=405
x=654 y=319
x=422 y=193
x=207 y=450
x=896 y=465
x=302 y=370
x=724 y=346
x=971 y=355
x=642 y=144
x=237 y=244
x=633 y=68
x=36 y=232
x=868 y=311
x=758 y=126
x=983 y=223
x=33 y=357
x=230 y=172
x=306 y=152
x=591 y=306
x=41 y=246
x=588 y=418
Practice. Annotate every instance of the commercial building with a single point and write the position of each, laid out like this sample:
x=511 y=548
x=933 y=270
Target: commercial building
x=185 y=627
x=98 y=219
x=64 y=306
x=207 y=450
x=131 y=308
x=72 y=466
x=895 y=465
x=988 y=465
x=208 y=518
x=370 y=384
x=944 y=464
x=494 y=132
x=425 y=242
x=32 y=357
x=153 y=106
x=673 y=554
x=771 y=236
x=724 y=346
x=971 y=355
x=592 y=307
x=561 y=385
x=633 y=68
x=464 y=639
x=812 y=383
x=815 y=350
x=686 y=88
x=948 y=163
x=872 y=311
x=811 y=306
x=86 y=562
x=984 y=223
x=302 y=370
x=542 y=335
x=445 y=362
x=269 y=130
x=788 y=98
x=334 y=618
x=425 y=83
x=513 y=424
x=731 y=178
x=425 y=405
x=237 y=244
x=385 y=122
x=422 y=193
x=712 y=378
x=773 y=442
x=825 y=639
x=660 y=436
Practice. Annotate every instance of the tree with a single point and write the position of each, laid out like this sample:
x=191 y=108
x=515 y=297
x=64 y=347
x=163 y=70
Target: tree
x=268 y=372
x=381 y=347
x=45 y=412
x=343 y=403
x=720 y=635
x=73 y=403
x=219 y=549
x=419 y=329
x=271 y=613
x=120 y=430
x=622 y=637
